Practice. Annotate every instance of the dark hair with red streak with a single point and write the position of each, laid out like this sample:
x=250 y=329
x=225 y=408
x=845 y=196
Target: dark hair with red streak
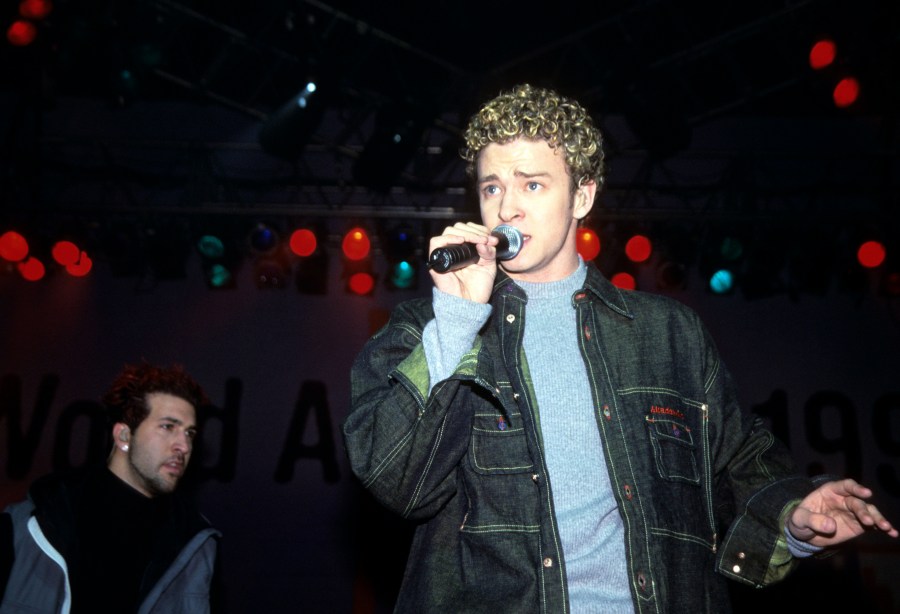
x=126 y=399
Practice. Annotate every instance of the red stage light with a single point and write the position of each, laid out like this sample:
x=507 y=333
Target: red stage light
x=21 y=33
x=13 y=246
x=81 y=267
x=35 y=9
x=871 y=254
x=638 y=248
x=822 y=54
x=356 y=244
x=65 y=253
x=626 y=281
x=588 y=244
x=32 y=269
x=361 y=283
x=303 y=242
x=845 y=92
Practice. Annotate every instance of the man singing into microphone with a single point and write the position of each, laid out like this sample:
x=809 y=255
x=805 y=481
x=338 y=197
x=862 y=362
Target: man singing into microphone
x=563 y=445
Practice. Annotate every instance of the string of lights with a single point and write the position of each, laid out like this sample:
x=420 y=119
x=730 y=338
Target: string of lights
x=755 y=261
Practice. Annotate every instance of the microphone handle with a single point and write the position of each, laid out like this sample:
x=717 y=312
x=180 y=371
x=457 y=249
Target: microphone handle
x=452 y=257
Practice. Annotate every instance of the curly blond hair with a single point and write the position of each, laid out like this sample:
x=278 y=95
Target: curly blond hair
x=539 y=114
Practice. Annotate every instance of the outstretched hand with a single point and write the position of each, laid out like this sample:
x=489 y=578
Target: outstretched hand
x=836 y=512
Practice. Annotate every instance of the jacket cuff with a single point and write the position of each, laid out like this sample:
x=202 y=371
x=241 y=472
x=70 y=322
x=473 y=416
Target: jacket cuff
x=755 y=550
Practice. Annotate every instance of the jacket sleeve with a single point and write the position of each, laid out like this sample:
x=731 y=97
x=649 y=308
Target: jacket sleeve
x=7 y=553
x=217 y=601
x=755 y=483
x=404 y=444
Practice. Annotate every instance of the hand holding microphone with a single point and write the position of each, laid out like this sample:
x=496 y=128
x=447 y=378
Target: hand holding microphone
x=453 y=257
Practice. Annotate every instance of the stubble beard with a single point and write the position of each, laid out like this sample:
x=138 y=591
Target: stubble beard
x=153 y=483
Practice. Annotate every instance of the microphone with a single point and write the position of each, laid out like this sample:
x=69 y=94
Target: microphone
x=454 y=257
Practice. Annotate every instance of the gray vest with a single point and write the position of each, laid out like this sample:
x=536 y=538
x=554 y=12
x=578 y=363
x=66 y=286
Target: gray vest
x=39 y=580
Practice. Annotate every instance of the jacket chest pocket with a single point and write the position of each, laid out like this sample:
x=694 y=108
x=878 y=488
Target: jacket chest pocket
x=674 y=450
x=499 y=445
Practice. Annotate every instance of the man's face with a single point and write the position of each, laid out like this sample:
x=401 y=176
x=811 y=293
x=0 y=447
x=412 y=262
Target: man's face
x=525 y=184
x=160 y=447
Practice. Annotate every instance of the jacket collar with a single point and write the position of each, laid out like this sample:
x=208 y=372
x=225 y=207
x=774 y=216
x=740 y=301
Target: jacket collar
x=611 y=296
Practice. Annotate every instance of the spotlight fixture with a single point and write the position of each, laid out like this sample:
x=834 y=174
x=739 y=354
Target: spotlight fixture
x=394 y=141
x=263 y=238
x=358 y=273
x=219 y=260
x=403 y=257
x=311 y=260
x=286 y=133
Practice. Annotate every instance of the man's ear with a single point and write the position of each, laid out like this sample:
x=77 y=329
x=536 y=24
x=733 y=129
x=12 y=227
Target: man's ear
x=584 y=200
x=121 y=432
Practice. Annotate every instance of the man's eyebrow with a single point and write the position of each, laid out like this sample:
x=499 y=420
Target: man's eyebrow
x=531 y=175
x=526 y=175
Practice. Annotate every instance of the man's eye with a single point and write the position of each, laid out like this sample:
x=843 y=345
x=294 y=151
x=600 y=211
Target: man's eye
x=190 y=434
x=491 y=189
x=533 y=185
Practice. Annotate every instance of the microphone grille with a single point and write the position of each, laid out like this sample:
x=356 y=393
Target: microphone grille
x=513 y=242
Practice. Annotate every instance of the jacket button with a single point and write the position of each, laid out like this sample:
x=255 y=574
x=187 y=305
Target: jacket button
x=587 y=332
x=642 y=581
x=741 y=555
x=548 y=562
x=515 y=396
x=736 y=569
x=628 y=493
x=535 y=478
x=510 y=318
x=606 y=412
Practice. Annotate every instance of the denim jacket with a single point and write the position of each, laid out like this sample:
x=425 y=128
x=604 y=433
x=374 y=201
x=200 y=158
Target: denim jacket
x=700 y=485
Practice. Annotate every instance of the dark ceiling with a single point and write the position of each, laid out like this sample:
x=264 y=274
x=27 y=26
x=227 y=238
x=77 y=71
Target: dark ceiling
x=703 y=57
x=709 y=108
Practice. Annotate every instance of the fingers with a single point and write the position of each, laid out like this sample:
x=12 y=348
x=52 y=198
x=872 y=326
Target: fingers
x=867 y=515
x=850 y=486
x=462 y=232
x=834 y=515
x=870 y=516
x=471 y=281
x=467 y=230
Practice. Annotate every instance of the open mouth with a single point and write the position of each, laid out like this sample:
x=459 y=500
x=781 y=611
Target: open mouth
x=175 y=467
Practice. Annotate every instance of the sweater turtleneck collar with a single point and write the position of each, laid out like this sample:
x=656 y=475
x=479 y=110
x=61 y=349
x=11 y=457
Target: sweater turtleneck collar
x=565 y=287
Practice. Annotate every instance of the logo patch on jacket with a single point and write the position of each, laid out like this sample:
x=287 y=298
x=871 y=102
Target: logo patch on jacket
x=667 y=411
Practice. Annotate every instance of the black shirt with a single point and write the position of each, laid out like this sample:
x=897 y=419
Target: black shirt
x=117 y=542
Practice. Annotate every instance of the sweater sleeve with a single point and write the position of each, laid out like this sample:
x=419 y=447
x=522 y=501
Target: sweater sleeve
x=451 y=333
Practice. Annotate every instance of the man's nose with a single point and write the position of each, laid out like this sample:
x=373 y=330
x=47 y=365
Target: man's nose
x=510 y=208
x=182 y=442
